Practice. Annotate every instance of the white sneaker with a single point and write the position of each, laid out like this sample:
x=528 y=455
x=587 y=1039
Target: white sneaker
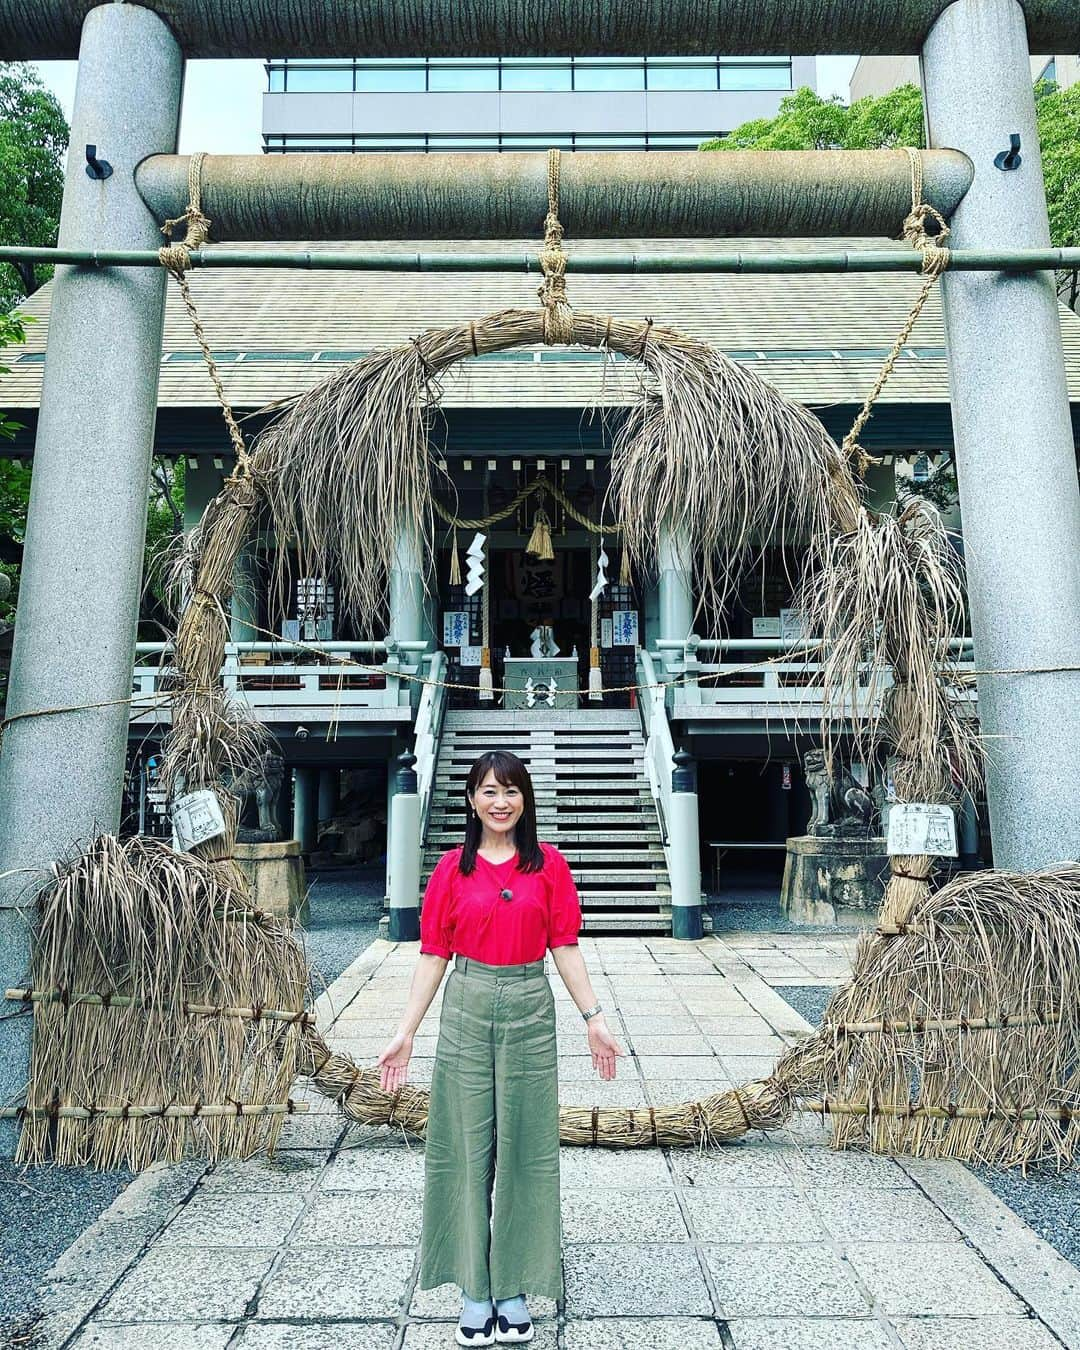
x=471 y=1335
x=513 y=1332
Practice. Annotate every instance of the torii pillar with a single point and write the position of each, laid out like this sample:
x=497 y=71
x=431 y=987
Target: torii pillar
x=1014 y=444
x=61 y=774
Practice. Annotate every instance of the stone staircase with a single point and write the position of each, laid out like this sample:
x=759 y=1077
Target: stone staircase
x=592 y=802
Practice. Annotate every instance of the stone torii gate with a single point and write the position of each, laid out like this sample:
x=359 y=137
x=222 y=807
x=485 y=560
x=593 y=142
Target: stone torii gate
x=61 y=773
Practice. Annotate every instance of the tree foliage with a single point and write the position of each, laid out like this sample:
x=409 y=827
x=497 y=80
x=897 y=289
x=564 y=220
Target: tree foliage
x=806 y=121
x=33 y=141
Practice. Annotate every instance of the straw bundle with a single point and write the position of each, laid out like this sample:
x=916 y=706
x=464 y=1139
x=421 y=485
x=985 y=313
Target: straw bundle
x=958 y=1035
x=151 y=935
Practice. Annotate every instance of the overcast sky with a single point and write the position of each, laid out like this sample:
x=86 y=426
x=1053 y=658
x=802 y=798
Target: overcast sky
x=222 y=110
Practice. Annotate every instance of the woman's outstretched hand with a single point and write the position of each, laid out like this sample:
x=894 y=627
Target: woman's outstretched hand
x=605 y=1048
x=394 y=1062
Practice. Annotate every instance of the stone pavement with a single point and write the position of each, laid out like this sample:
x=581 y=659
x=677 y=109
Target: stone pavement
x=775 y=1242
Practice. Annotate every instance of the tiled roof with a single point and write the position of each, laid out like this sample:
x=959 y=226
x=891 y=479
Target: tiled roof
x=819 y=338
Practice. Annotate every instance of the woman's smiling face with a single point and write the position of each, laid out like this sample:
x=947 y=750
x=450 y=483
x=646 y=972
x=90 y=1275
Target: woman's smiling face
x=499 y=806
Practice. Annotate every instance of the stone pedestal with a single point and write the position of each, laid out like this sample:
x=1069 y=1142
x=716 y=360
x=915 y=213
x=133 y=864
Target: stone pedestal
x=275 y=873
x=824 y=878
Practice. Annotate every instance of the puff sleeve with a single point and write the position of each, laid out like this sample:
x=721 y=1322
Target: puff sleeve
x=564 y=910
x=436 y=920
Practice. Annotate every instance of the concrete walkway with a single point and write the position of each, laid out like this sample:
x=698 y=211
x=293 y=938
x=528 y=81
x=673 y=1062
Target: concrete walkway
x=775 y=1243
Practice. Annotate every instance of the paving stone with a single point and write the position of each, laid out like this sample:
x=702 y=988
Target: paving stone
x=619 y=1091
x=337 y=1283
x=625 y=1168
x=288 y=1170
x=439 y=1335
x=734 y=1023
x=655 y=1068
x=613 y=1215
x=787 y=1280
x=628 y=1279
x=444 y=1301
x=361 y=1219
x=749 y=1068
x=809 y=1333
x=289 y=1336
x=192 y=1283
x=820 y=1167
x=974 y=1333
x=645 y=1333
x=943 y=1279
x=764 y=1045
x=154 y=1336
x=672 y=1024
x=930 y=1279
x=670 y=1044
x=853 y=1215
x=742 y=1165
x=764 y=1214
x=369 y=1167
x=321 y=1130
x=669 y=1092
x=214 y=1219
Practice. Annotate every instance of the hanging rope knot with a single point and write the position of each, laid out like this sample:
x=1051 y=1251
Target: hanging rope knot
x=176 y=258
x=558 y=317
x=935 y=259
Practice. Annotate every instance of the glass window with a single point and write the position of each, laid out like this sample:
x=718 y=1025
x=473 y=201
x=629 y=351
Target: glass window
x=443 y=79
x=682 y=76
x=319 y=79
x=738 y=76
x=676 y=140
x=464 y=142
x=537 y=78
x=626 y=141
x=277 y=80
x=390 y=142
x=558 y=141
x=596 y=78
x=390 y=79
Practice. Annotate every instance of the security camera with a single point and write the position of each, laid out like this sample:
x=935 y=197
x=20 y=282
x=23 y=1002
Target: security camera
x=301 y=733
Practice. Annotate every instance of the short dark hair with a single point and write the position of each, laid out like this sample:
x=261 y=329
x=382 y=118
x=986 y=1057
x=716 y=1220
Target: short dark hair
x=510 y=771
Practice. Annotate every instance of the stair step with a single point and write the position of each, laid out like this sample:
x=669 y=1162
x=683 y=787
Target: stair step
x=563 y=737
x=602 y=921
x=457 y=719
x=451 y=819
x=562 y=839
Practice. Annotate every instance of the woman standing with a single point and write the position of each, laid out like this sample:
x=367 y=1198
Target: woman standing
x=496 y=903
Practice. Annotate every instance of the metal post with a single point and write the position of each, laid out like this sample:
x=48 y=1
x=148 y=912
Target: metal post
x=1014 y=447
x=407 y=588
x=685 y=851
x=61 y=775
x=328 y=793
x=676 y=593
x=403 y=854
x=305 y=807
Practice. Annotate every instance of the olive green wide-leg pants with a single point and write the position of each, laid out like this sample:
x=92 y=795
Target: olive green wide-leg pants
x=493 y=1127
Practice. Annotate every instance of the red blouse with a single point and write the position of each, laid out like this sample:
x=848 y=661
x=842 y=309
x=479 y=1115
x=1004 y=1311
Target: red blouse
x=466 y=914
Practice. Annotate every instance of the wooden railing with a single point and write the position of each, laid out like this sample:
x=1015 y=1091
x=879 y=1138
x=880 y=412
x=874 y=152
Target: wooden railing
x=318 y=680
x=767 y=677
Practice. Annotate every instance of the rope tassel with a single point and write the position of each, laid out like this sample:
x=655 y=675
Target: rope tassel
x=539 y=545
x=455 y=563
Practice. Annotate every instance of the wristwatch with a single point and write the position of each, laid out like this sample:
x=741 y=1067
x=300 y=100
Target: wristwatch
x=591 y=1012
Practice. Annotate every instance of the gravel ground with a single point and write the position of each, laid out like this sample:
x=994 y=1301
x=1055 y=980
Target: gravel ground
x=750 y=908
x=42 y=1211
x=1047 y=1201
x=346 y=905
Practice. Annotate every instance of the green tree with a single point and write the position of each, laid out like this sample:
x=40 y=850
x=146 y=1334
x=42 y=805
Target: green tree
x=806 y=121
x=33 y=141
x=14 y=488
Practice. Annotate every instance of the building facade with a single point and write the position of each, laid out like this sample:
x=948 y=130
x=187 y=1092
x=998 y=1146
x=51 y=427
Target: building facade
x=876 y=75
x=505 y=103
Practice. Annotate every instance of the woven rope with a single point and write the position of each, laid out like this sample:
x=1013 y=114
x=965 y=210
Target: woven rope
x=540 y=484
x=558 y=317
x=176 y=258
x=935 y=259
